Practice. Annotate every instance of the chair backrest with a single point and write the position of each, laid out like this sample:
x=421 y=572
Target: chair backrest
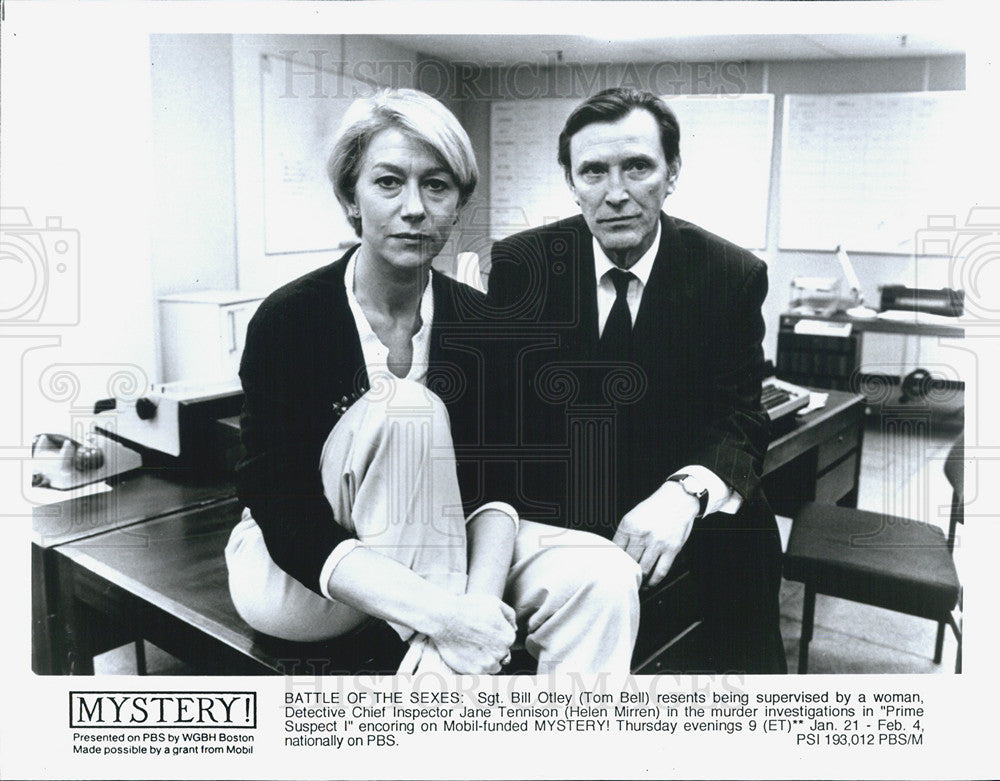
x=954 y=470
x=467 y=270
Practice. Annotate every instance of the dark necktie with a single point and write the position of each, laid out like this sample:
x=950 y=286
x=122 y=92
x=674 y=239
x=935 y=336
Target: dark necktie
x=616 y=339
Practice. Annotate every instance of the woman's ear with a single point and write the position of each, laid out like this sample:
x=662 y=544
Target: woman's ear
x=350 y=203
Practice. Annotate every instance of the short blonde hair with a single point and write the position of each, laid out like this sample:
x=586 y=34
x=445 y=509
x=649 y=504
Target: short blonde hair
x=412 y=112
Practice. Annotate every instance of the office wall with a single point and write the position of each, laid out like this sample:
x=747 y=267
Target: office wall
x=194 y=229
x=476 y=93
x=76 y=134
x=207 y=217
x=193 y=222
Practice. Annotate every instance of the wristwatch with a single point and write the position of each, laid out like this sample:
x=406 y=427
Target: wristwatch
x=692 y=487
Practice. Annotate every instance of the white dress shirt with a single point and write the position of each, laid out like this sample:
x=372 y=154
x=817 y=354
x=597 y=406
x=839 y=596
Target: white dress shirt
x=376 y=357
x=721 y=498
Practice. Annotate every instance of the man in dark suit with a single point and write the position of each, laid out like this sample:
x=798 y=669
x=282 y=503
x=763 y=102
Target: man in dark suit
x=636 y=371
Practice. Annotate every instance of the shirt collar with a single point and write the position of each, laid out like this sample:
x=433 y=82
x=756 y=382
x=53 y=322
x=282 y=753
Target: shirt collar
x=642 y=269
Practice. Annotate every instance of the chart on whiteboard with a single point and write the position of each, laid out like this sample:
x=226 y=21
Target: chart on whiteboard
x=868 y=171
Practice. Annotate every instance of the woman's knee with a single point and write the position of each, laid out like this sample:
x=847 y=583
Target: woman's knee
x=381 y=421
x=395 y=395
x=386 y=413
x=247 y=566
x=602 y=575
x=613 y=575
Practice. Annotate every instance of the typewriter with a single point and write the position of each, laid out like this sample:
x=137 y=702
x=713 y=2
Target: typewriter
x=782 y=398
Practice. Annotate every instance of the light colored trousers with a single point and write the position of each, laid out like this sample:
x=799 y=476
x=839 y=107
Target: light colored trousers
x=388 y=471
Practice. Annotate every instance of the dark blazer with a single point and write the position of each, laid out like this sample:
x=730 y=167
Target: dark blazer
x=302 y=357
x=595 y=438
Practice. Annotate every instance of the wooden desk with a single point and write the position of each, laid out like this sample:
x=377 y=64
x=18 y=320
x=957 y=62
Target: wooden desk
x=137 y=497
x=165 y=579
x=820 y=458
x=879 y=325
x=172 y=589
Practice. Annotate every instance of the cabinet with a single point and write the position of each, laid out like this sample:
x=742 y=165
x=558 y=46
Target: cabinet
x=879 y=353
x=815 y=360
x=202 y=333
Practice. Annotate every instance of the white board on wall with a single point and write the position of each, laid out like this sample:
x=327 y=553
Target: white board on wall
x=527 y=187
x=725 y=174
x=726 y=144
x=301 y=213
x=868 y=170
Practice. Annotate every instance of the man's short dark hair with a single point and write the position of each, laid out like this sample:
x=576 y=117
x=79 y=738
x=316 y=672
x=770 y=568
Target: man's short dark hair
x=613 y=104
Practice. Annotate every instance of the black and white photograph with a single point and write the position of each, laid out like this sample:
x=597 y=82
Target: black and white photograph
x=378 y=374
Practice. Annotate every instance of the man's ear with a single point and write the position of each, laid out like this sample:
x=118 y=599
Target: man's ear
x=572 y=187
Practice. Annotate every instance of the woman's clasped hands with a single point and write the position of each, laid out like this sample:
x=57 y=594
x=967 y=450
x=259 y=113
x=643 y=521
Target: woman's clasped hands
x=476 y=634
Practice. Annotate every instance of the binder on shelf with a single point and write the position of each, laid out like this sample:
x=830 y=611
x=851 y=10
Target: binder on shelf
x=817 y=357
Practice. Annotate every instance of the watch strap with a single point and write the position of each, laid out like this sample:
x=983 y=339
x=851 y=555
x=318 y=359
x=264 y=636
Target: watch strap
x=684 y=480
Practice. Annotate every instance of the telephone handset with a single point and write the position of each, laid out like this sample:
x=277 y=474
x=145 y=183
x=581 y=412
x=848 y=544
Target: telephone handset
x=61 y=462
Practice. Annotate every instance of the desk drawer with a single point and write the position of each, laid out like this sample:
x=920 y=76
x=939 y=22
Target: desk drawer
x=683 y=656
x=838 y=482
x=836 y=447
x=666 y=613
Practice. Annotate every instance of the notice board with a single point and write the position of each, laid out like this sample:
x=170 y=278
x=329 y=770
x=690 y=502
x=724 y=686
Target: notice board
x=867 y=171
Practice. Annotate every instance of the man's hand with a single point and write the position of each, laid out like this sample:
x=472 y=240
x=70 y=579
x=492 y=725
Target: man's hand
x=654 y=531
x=478 y=634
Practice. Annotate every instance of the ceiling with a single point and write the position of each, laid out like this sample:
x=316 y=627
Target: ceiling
x=543 y=49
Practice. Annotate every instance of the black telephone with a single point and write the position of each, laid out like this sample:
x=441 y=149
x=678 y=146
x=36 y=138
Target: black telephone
x=61 y=462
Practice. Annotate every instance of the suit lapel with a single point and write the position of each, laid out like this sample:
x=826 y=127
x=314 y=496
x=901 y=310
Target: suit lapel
x=451 y=339
x=587 y=288
x=665 y=300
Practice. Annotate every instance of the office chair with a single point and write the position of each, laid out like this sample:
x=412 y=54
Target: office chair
x=954 y=470
x=881 y=560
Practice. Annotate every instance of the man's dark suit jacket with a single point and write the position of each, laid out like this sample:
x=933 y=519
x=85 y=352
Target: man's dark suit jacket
x=302 y=358
x=594 y=439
